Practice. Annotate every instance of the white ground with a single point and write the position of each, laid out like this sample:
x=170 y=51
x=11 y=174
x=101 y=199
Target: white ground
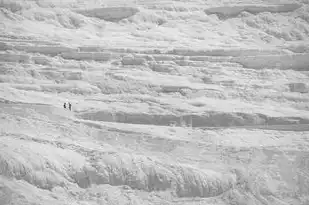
x=174 y=102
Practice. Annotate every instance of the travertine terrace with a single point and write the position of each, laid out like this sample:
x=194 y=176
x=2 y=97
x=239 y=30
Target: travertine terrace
x=174 y=102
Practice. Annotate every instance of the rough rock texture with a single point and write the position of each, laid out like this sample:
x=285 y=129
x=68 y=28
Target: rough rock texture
x=170 y=104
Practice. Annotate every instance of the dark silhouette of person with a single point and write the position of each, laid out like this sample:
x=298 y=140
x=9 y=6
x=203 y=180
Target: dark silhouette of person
x=64 y=105
x=70 y=106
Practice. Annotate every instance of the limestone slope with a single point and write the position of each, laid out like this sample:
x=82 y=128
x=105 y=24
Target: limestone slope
x=174 y=102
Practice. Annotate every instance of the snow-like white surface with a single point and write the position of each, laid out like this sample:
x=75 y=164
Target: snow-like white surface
x=171 y=104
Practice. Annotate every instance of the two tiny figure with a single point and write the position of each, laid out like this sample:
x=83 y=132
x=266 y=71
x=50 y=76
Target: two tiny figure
x=69 y=105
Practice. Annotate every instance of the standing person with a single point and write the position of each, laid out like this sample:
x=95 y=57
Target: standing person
x=70 y=106
x=64 y=105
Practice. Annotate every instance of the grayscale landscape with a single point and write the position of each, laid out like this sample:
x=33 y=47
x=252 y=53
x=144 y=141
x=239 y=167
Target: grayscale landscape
x=174 y=102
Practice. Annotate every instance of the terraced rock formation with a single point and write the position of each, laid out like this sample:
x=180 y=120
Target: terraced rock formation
x=170 y=103
x=234 y=10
